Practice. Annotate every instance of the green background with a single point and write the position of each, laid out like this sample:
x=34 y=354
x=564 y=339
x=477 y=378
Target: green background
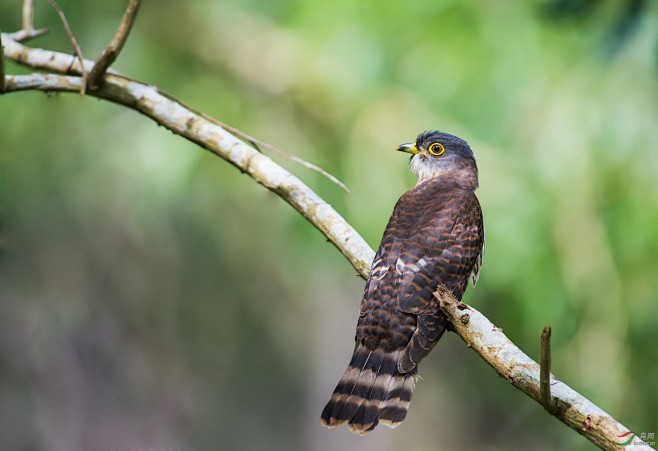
x=154 y=298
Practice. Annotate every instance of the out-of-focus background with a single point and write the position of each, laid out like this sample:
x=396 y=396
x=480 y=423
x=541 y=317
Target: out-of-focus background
x=153 y=298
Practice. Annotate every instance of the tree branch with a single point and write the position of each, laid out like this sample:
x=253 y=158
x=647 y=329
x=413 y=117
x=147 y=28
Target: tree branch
x=28 y=16
x=518 y=369
x=22 y=35
x=478 y=333
x=111 y=52
x=173 y=115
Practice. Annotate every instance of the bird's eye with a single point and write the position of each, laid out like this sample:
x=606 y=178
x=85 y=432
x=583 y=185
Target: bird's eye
x=437 y=149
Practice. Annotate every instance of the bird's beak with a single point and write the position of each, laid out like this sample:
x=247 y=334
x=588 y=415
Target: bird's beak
x=409 y=148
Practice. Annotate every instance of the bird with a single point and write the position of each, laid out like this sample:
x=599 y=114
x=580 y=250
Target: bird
x=435 y=236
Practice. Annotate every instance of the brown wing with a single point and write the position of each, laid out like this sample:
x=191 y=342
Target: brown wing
x=435 y=235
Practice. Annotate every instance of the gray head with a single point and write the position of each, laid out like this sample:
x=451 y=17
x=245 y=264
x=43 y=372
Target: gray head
x=436 y=154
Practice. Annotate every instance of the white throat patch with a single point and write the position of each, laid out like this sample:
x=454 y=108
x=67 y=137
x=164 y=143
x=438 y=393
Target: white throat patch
x=423 y=169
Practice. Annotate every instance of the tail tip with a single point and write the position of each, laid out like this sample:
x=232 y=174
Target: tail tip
x=390 y=424
x=332 y=422
x=361 y=429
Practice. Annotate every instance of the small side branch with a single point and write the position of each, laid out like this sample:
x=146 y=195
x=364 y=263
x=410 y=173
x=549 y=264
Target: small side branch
x=74 y=42
x=22 y=35
x=28 y=16
x=545 y=369
x=111 y=52
x=257 y=143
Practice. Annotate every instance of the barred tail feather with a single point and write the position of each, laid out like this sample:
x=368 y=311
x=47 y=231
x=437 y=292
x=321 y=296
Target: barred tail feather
x=371 y=391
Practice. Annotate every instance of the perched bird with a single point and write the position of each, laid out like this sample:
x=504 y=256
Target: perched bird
x=435 y=236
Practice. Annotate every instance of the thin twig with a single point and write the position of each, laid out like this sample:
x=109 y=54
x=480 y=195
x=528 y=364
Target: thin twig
x=28 y=16
x=111 y=52
x=545 y=369
x=77 y=48
x=257 y=143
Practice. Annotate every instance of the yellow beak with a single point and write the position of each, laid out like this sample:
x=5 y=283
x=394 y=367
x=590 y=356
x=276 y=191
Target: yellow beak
x=409 y=148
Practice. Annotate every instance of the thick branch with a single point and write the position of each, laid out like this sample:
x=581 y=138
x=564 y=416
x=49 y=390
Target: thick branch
x=480 y=334
x=110 y=53
x=518 y=369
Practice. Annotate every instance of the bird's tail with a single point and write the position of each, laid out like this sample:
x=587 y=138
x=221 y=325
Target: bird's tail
x=371 y=391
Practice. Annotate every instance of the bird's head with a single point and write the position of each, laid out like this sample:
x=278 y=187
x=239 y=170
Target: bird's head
x=436 y=154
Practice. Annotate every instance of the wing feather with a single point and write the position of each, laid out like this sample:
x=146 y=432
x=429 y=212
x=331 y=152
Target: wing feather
x=435 y=235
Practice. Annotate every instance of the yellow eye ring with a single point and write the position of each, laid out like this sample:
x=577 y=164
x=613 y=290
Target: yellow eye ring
x=437 y=149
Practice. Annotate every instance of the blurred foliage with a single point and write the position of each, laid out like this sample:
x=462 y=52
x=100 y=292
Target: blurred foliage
x=152 y=297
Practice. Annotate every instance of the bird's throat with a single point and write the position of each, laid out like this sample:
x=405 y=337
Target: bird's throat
x=462 y=175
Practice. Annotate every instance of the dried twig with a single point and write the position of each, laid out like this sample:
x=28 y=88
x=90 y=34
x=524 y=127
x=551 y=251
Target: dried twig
x=111 y=52
x=28 y=16
x=74 y=42
x=257 y=143
x=545 y=369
